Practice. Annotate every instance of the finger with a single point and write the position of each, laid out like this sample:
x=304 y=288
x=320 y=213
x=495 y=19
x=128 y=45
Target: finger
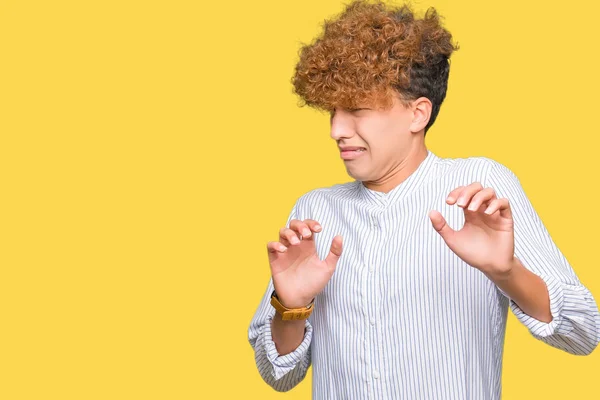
x=288 y=237
x=276 y=247
x=454 y=195
x=275 y=250
x=441 y=226
x=500 y=204
x=492 y=207
x=313 y=225
x=301 y=227
x=481 y=198
x=335 y=251
x=467 y=193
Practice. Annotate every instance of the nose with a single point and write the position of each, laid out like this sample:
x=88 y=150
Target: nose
x=341 y=125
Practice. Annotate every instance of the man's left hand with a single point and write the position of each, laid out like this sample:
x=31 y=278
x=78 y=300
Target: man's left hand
x=486 y=241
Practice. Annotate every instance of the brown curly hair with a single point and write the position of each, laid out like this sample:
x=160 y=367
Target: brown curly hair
x=369 y=53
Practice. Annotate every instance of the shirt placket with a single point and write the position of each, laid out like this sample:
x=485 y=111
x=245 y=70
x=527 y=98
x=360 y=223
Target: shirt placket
x=373 y=336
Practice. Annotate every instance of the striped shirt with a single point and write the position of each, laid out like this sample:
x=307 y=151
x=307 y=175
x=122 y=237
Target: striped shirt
x=403 y=317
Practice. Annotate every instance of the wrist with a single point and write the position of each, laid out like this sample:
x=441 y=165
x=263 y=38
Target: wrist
x=278 y=320
x=502 y=276
x=292 y=303
x=288 y=313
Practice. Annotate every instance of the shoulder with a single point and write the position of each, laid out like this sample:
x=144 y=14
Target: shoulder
x=325 y=196
x=339 y=190
x=497 y=176
x=476 y=169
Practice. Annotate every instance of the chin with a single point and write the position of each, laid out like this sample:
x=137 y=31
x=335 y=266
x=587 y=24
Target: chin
x=358 y=177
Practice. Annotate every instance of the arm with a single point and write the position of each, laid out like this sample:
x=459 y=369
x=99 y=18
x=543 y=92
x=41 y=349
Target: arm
x=526 y=289
x=287 y=335
x=574 y=321
x=281 y=348
x=280 y=370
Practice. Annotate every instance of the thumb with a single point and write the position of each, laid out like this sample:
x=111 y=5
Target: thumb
x=440 y=225
x=335 y=252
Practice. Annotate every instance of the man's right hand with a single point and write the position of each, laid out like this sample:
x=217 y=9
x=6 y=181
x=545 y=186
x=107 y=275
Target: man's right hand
x=298 y=273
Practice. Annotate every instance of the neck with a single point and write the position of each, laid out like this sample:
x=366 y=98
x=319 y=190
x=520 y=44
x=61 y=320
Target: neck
x=400 y=172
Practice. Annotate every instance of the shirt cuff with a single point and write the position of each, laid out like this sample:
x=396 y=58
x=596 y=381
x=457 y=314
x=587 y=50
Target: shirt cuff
x=558 y=291
x=284 y=364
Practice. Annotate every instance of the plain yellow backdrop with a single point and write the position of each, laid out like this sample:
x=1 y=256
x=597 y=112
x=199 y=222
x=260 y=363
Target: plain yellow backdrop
x=151 y=149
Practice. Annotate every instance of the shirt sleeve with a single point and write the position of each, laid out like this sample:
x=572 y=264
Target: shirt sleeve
x=281 y=372
x=575 y=327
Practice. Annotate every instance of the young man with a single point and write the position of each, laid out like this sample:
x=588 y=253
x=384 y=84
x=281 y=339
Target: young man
x=370 y=282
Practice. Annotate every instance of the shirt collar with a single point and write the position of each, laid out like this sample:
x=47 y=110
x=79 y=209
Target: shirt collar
x=407 y=186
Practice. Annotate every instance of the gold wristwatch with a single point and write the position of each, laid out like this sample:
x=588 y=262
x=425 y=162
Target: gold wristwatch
x=289 y=314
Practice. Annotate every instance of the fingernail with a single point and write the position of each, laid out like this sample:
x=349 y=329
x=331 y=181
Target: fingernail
x=472 y=207
x=295 y=240
x=450 y=198
x=461 y=202
x=318 y=227
x=306 y=232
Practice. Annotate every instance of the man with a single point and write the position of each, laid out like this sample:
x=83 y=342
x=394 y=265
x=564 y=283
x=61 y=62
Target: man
x=370 y=282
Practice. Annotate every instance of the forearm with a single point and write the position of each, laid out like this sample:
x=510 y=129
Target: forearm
x=527 y=290
x=287 y=335
x=281 y=372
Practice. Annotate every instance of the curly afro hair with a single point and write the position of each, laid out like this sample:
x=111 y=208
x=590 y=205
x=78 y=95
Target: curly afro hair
x=370 y=53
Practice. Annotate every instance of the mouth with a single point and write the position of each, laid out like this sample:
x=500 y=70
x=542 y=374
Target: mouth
x=352 y=154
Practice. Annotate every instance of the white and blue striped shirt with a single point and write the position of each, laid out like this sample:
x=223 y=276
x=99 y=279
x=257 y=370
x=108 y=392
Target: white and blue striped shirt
x=403 y=317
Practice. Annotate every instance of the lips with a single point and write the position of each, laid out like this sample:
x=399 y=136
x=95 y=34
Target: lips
x=351 y=148
x=352 y=154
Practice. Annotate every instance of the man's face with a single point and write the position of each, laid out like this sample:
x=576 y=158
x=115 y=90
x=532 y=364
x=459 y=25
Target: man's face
x=387 y=137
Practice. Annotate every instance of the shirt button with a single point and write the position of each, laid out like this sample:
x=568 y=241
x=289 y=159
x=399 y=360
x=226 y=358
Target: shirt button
x=371 y=270
x=375 y=374
x=372 y=321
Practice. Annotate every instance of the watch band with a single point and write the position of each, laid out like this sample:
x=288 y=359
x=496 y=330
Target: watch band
x=289 y=314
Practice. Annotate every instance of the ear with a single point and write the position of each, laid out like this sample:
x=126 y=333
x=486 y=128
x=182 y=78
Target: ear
x=421 y=113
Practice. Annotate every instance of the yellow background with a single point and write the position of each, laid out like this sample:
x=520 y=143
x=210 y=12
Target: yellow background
x=151 y=149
